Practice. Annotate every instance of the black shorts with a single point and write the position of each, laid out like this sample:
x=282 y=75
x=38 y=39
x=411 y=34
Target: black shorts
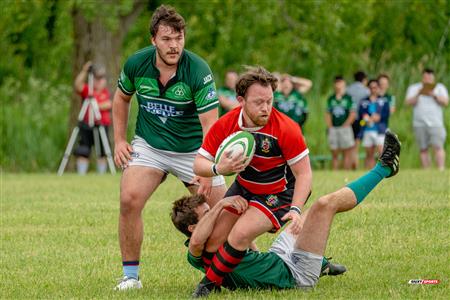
x=356 y=129
x=87 y=141
x=274 y=206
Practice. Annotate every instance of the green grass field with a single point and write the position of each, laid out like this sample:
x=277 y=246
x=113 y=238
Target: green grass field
x=59 y=240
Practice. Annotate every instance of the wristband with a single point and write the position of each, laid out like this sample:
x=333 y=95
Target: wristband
x=296 y=209
x=214 y=170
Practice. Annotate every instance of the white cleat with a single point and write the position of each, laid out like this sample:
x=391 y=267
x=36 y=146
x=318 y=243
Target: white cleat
x=128 y=283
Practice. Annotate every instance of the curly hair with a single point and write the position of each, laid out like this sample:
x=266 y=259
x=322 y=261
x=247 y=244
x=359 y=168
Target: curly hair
x=183 y=212
x=254 y=75
x=166 y=15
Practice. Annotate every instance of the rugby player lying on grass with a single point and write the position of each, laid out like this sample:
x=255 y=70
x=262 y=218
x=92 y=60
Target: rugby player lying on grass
x=293 y=260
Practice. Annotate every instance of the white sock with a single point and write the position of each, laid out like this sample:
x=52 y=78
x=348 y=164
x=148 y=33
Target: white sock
x=82 y=166
x=101 y=166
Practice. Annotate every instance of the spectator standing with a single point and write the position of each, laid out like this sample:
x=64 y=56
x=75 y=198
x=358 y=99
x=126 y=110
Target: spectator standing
x=290 y=101
x=357 y=90
x=373 y=114
x=340 y=114
x=428 y=99
x=384 y=82
x=103 y=98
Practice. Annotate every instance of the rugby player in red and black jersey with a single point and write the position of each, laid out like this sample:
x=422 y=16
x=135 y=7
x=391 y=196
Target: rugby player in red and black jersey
x=276 y=183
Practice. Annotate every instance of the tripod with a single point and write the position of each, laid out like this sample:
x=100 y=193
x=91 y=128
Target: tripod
x=90 y=107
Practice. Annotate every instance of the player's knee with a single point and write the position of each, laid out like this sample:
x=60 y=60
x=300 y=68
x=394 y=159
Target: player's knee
x=239 y=239
x=130 y=203
x=326 y=203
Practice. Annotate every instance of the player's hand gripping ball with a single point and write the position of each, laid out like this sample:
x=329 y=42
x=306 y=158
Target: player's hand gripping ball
x=236 y=145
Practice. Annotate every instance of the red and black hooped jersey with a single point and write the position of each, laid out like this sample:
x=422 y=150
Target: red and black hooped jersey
x=279 y=143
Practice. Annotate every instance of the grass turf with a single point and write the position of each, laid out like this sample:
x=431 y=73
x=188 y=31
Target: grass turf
x=59 y=240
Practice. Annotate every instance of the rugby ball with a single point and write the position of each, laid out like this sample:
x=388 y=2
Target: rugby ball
x=238 y=144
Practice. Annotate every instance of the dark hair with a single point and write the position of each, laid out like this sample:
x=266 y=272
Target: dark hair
x=428 y=70
x=183 y=212
x=382 y=75
x=373 y=80
x=360 y=76
x=339 y=78
x=166 y=15
x=254 y=75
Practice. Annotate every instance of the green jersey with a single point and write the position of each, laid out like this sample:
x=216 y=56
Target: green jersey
x=255 y=271
x=228 y=93
x=340 y=108
x=389 y=99
x=168 y=115
x=294 y=105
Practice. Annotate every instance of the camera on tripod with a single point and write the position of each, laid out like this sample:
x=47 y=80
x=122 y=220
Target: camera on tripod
x=89 y=123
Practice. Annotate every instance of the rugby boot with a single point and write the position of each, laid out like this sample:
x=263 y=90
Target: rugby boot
x=204 y=289
x=128 y=283
x=331 y=269
x=390 y=157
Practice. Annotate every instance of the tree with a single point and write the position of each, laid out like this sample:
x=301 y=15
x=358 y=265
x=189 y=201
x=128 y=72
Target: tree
x=99 y=29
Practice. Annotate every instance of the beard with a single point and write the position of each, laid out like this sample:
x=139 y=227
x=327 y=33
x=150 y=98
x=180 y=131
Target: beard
x=258 y=121
x=164 y=60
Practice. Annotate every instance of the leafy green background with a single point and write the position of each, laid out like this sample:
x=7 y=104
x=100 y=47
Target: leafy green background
x=315 y=39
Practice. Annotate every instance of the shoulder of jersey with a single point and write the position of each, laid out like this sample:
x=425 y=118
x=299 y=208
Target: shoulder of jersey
x=231 y=116
x=195 y=60
x=142 y=54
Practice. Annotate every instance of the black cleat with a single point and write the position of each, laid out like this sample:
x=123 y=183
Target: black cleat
x=332 y=269
x=204 y=289
x=391 y=153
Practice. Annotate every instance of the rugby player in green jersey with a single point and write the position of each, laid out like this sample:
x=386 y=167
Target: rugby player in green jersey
x=177 y=102
x=293 y=261
x=290 y=101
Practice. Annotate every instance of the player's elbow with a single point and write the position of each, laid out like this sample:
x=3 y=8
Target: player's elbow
x=196 y=245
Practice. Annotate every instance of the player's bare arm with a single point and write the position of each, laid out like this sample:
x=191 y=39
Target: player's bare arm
x=303 y=183
x=81 y=77
x=328 y=120
x=205 y=226
x=351 y=118
x=121 y=107
x=228 y=164
x=207 y=119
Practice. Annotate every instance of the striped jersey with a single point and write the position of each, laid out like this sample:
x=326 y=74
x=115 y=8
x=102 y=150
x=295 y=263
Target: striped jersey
x=168 y=115
x=278 y=144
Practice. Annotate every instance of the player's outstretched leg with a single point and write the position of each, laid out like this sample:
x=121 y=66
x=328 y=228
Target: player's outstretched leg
x=311 y=243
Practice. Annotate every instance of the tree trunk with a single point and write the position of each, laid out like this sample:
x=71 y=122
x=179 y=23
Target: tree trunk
x=94 y=41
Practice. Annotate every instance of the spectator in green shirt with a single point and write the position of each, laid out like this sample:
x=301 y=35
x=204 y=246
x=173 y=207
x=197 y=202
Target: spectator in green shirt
x=340 y=114
x=227 y=93
x=290 y=101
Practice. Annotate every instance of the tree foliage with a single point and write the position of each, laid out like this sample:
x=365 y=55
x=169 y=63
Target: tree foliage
x=316 y=39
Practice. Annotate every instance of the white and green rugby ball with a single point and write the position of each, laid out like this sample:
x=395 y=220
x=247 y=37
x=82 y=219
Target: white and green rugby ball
x=236 y=145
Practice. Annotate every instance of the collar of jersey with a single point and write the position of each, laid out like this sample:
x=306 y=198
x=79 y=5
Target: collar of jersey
x=241 y=124
x=155 y=68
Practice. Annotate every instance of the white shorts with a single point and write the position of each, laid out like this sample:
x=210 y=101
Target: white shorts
x=178 y=164
x=304 y=266
x=372 y=138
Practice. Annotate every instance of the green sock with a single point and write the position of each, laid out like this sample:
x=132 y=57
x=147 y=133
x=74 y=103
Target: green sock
x=365 y=184
x=324 y=262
